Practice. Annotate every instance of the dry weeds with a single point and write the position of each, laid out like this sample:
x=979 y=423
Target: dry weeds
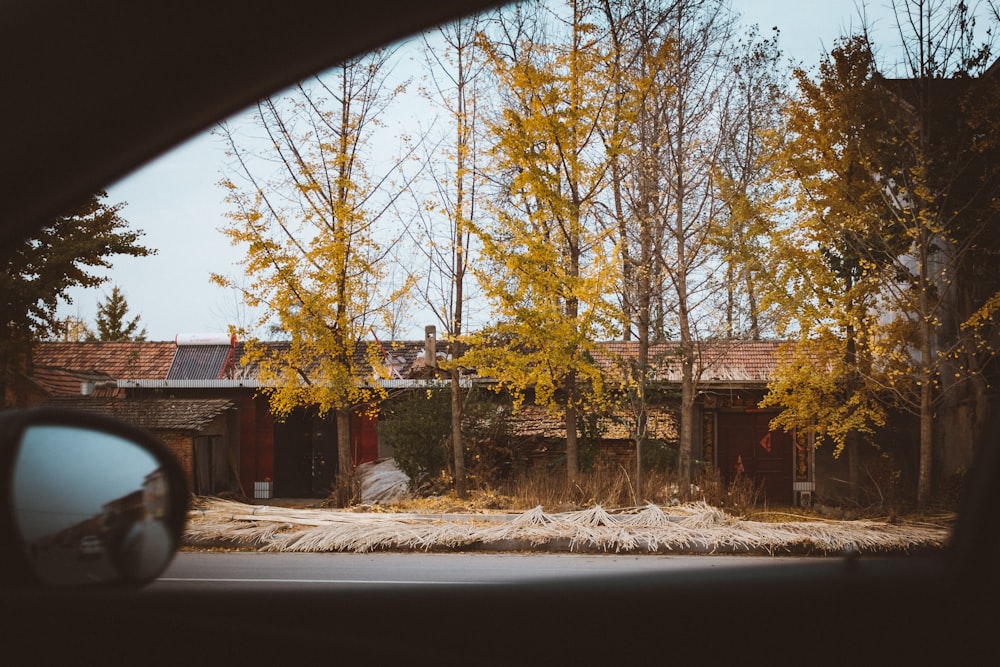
x=689 y=527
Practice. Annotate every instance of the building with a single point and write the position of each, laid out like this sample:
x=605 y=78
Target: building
x=195 y=394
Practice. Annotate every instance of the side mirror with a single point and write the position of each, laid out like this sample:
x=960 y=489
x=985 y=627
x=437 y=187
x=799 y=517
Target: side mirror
x=85 y=500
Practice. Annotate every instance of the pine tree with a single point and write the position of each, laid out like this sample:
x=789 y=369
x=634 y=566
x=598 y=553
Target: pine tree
x=112 y=320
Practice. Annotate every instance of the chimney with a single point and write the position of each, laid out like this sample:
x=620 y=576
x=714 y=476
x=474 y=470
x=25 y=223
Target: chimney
x=430 y=346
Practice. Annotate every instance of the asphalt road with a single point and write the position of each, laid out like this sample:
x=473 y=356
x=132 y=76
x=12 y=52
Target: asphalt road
x=284 y=571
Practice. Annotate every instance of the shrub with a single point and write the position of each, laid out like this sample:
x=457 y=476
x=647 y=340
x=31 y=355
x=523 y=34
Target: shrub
x=418 y=428
x=493 y=453
x=658 y=456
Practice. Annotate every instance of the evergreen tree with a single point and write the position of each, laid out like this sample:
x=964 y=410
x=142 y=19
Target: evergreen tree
x=112 y=320
x=39 y=272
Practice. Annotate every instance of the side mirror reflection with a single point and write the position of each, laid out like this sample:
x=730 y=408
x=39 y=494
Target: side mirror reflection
x=92 y=505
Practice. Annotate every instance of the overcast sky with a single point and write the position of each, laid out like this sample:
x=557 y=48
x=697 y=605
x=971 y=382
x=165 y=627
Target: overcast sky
x=176 y=201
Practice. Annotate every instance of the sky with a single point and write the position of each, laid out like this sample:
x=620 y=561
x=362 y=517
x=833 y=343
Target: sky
x=176 y=201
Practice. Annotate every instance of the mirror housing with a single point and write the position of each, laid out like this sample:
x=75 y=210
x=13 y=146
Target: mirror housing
x=85 y=500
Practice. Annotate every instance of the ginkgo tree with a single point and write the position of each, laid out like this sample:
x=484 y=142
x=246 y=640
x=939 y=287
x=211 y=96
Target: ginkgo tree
x=546 y=269
x=895 y=193
x=308 y=218
x=827 y=273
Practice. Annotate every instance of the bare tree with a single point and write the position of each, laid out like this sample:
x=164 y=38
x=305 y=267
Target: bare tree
x=746 y=176
x=454 y=65
x=640 y=51
x=698 y=84
x=943 y=199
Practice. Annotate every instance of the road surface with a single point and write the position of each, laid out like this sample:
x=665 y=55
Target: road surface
x=255 y=570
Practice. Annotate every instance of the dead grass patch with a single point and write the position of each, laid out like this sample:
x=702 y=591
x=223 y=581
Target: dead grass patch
x=691 y=527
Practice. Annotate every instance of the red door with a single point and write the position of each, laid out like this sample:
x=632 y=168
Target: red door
x=746 y=442
x=364 y=438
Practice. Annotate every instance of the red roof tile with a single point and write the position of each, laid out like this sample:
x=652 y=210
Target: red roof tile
x=128 y=360
x=155 y=414
x=62 y=382
x=60 y=367
x=731 y=361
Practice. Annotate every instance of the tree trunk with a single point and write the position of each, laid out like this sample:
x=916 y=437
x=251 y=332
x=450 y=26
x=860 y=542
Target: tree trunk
x=345 y=464
x=687 y=426
x=926 y=439
x=572 y=446
x=456 y=433
x=642 y=362
x=925 y=374
x=853 y=464
x=686 y=453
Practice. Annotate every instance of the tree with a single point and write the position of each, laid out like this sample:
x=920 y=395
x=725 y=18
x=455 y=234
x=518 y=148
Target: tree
x=692 y=138
x=418 y=427
x=315 y=256
x=897 y=180
x=640 y=48
x=830 y=265
x=942 y=185
x=686 y=160
x=748 y=188
x=112 y=320
x=40 y=271
x=547 y=268
x=74 y=329
x=455 y=65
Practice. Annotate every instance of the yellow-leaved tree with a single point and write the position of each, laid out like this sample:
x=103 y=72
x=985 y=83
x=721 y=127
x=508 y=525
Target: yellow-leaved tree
x=895 y=191
x=308 y=217
x=830 y=265
x=547 y=266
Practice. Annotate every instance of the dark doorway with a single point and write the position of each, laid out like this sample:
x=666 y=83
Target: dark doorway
x=305 y=456
x=211 y=469
x=746 y=441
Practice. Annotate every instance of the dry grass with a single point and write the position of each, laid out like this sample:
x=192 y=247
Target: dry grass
x=600 y=511
x=609 y=485
x=690 y=527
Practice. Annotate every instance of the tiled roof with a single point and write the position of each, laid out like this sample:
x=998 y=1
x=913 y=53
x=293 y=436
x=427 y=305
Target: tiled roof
x=60 y=367
x=118 y=360
x=718 y=362
x=533 y=420
x=407 y=357
x=62 y=382
x=155 y=414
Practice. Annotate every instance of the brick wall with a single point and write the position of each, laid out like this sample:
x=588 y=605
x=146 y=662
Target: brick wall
x=181 y=446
